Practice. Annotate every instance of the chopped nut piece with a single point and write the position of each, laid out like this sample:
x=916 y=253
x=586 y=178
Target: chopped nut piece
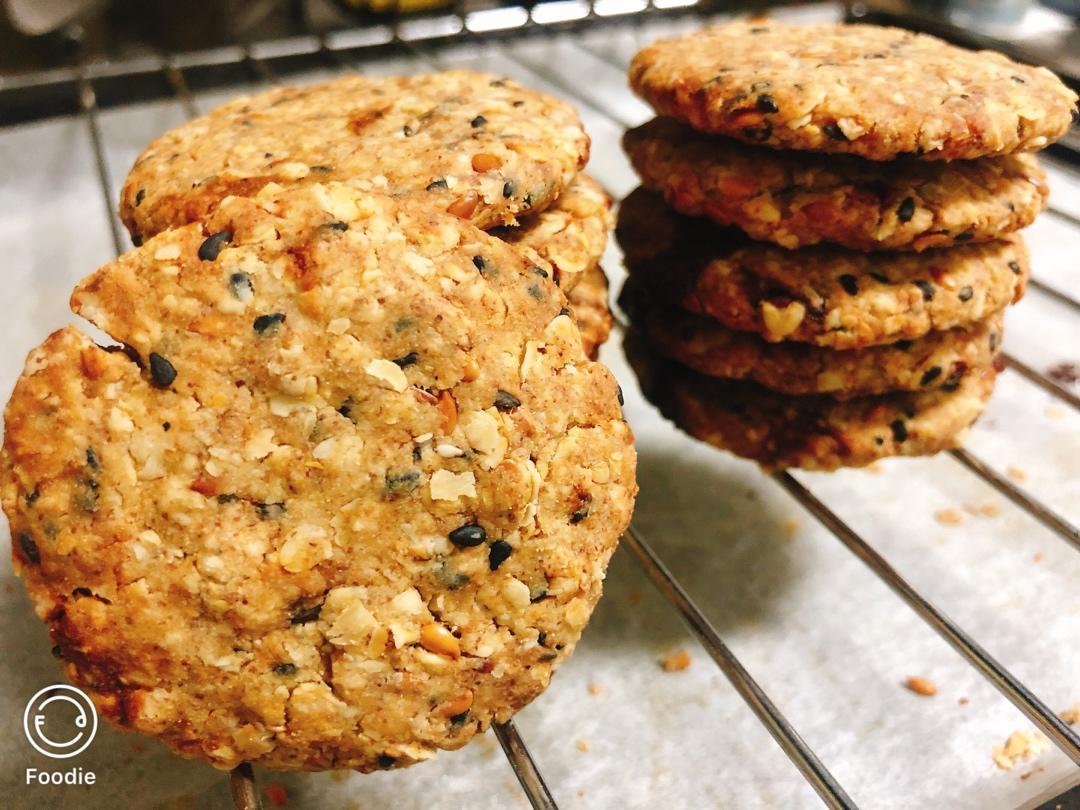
x=920 y=686
x=1016 y=474
x=1020 y=745
x=436 y=638
x=676 y=661
x=457 y=705
x=448 y=486
x=583 y=745
x=389 y=372
x=596 y=689
x=984 y=508
x=781 y=322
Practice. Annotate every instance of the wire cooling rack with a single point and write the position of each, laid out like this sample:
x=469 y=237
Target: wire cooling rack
x=580 y=26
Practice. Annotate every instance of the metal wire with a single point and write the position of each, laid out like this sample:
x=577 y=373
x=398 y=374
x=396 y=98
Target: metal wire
x=830 y=791
x=1019 y=695
x=88 y=105
x=528 y=775
x=242 y=788
x=1054 y=293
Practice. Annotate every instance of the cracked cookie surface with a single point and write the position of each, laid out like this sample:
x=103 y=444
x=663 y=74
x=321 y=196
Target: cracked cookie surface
x=809 y=432
x=823 y=295
x=703 y=344
x=796 y=199
x=483 y=148
x=343 y=496
x=865 y=90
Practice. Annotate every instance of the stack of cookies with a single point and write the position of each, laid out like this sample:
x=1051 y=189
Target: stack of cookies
x=344 y=491
x=825 y=239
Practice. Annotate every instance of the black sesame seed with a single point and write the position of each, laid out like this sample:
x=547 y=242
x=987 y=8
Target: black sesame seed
x=136 y=239
x=305 y=615
x=408 y=131
x=338 y=225
x=459 y=719
x=535 y=292
x=407 y=360
x=140 y=195
x=579 y=515
x=879 y=278
x=1018 y=79
x=906 y=210
x=227 y=497
x=285 y=669
x=767 y=104
x=86 y=497
x=931 y=374
x=761 y=133
x=965 y=293
x=32 y=497
x=322 y=169
x=482 y=264
x=498 y=83
x=386 y=761
x=759 y=30
x=540 y=271
x=1015 y=267
x=346 y=407
x=541 y=638
x=966 y=236
x=508 y=189
x=240 y=286
x=477 y=122
x=498 y=552
x=834 y=132
x=848 y=282
x=468 y=535
x=518 y=103
x=162 y=372
x=397 y=483
x=505 y=401
x=619 y=394
x=565 y=311
x=92 y=460
x=927 y=289
x=435 y=185
x=269 y=511
x=899 y=430
x=212 y=245
x=417 y=453
x=903 y=345
x=29 y=548
x=269 y=323
x=57 y=652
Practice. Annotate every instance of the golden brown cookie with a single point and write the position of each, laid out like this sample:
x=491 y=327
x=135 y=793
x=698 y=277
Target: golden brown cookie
x=822 y=295
x=571 y=234
x=483 y=148
x=796 y=198
x=811 y=432
x=589 y=302
x=343 y=496
x=860 y=89
x=703 y=344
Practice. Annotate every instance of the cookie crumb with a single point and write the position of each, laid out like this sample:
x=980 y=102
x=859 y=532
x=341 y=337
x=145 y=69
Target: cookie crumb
x=963 y=701
x=1071 y=715
x=676 y=661
x=581 y=792
x=583 y=745
x=276 y=794
x=1067 y=373
x=984 y=508
x=791 y=526
x=596 y=689
x=920 y=686
x=1037 y=557
x=1054 y=412
x=1020 y=745
x=949 y=517
x=1016 y=474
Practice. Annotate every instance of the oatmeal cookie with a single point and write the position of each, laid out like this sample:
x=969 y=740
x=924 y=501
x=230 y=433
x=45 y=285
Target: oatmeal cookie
x=812 y=432
x=571 y=234
x=343 y=495
x=859 y=89
x=822 y=295
x=937 y=360
x=483 y=148
x=796 y=199
x=589 y=302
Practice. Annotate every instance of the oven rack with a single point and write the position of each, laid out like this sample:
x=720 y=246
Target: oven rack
x=267 y=63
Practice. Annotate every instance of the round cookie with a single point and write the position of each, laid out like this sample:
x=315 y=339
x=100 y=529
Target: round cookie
x=812 y=432
x=571 y=234
x=860 y=89
x=822 y=295
x=344 y=494
x=796 y=199
x=589 y=303
x=939 y=359
x=483 y=148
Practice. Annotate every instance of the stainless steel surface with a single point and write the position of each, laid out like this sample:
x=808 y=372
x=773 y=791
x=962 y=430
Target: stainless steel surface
x=816 y=633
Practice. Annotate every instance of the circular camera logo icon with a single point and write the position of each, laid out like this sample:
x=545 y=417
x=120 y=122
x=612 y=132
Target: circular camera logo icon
x=60 y=721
